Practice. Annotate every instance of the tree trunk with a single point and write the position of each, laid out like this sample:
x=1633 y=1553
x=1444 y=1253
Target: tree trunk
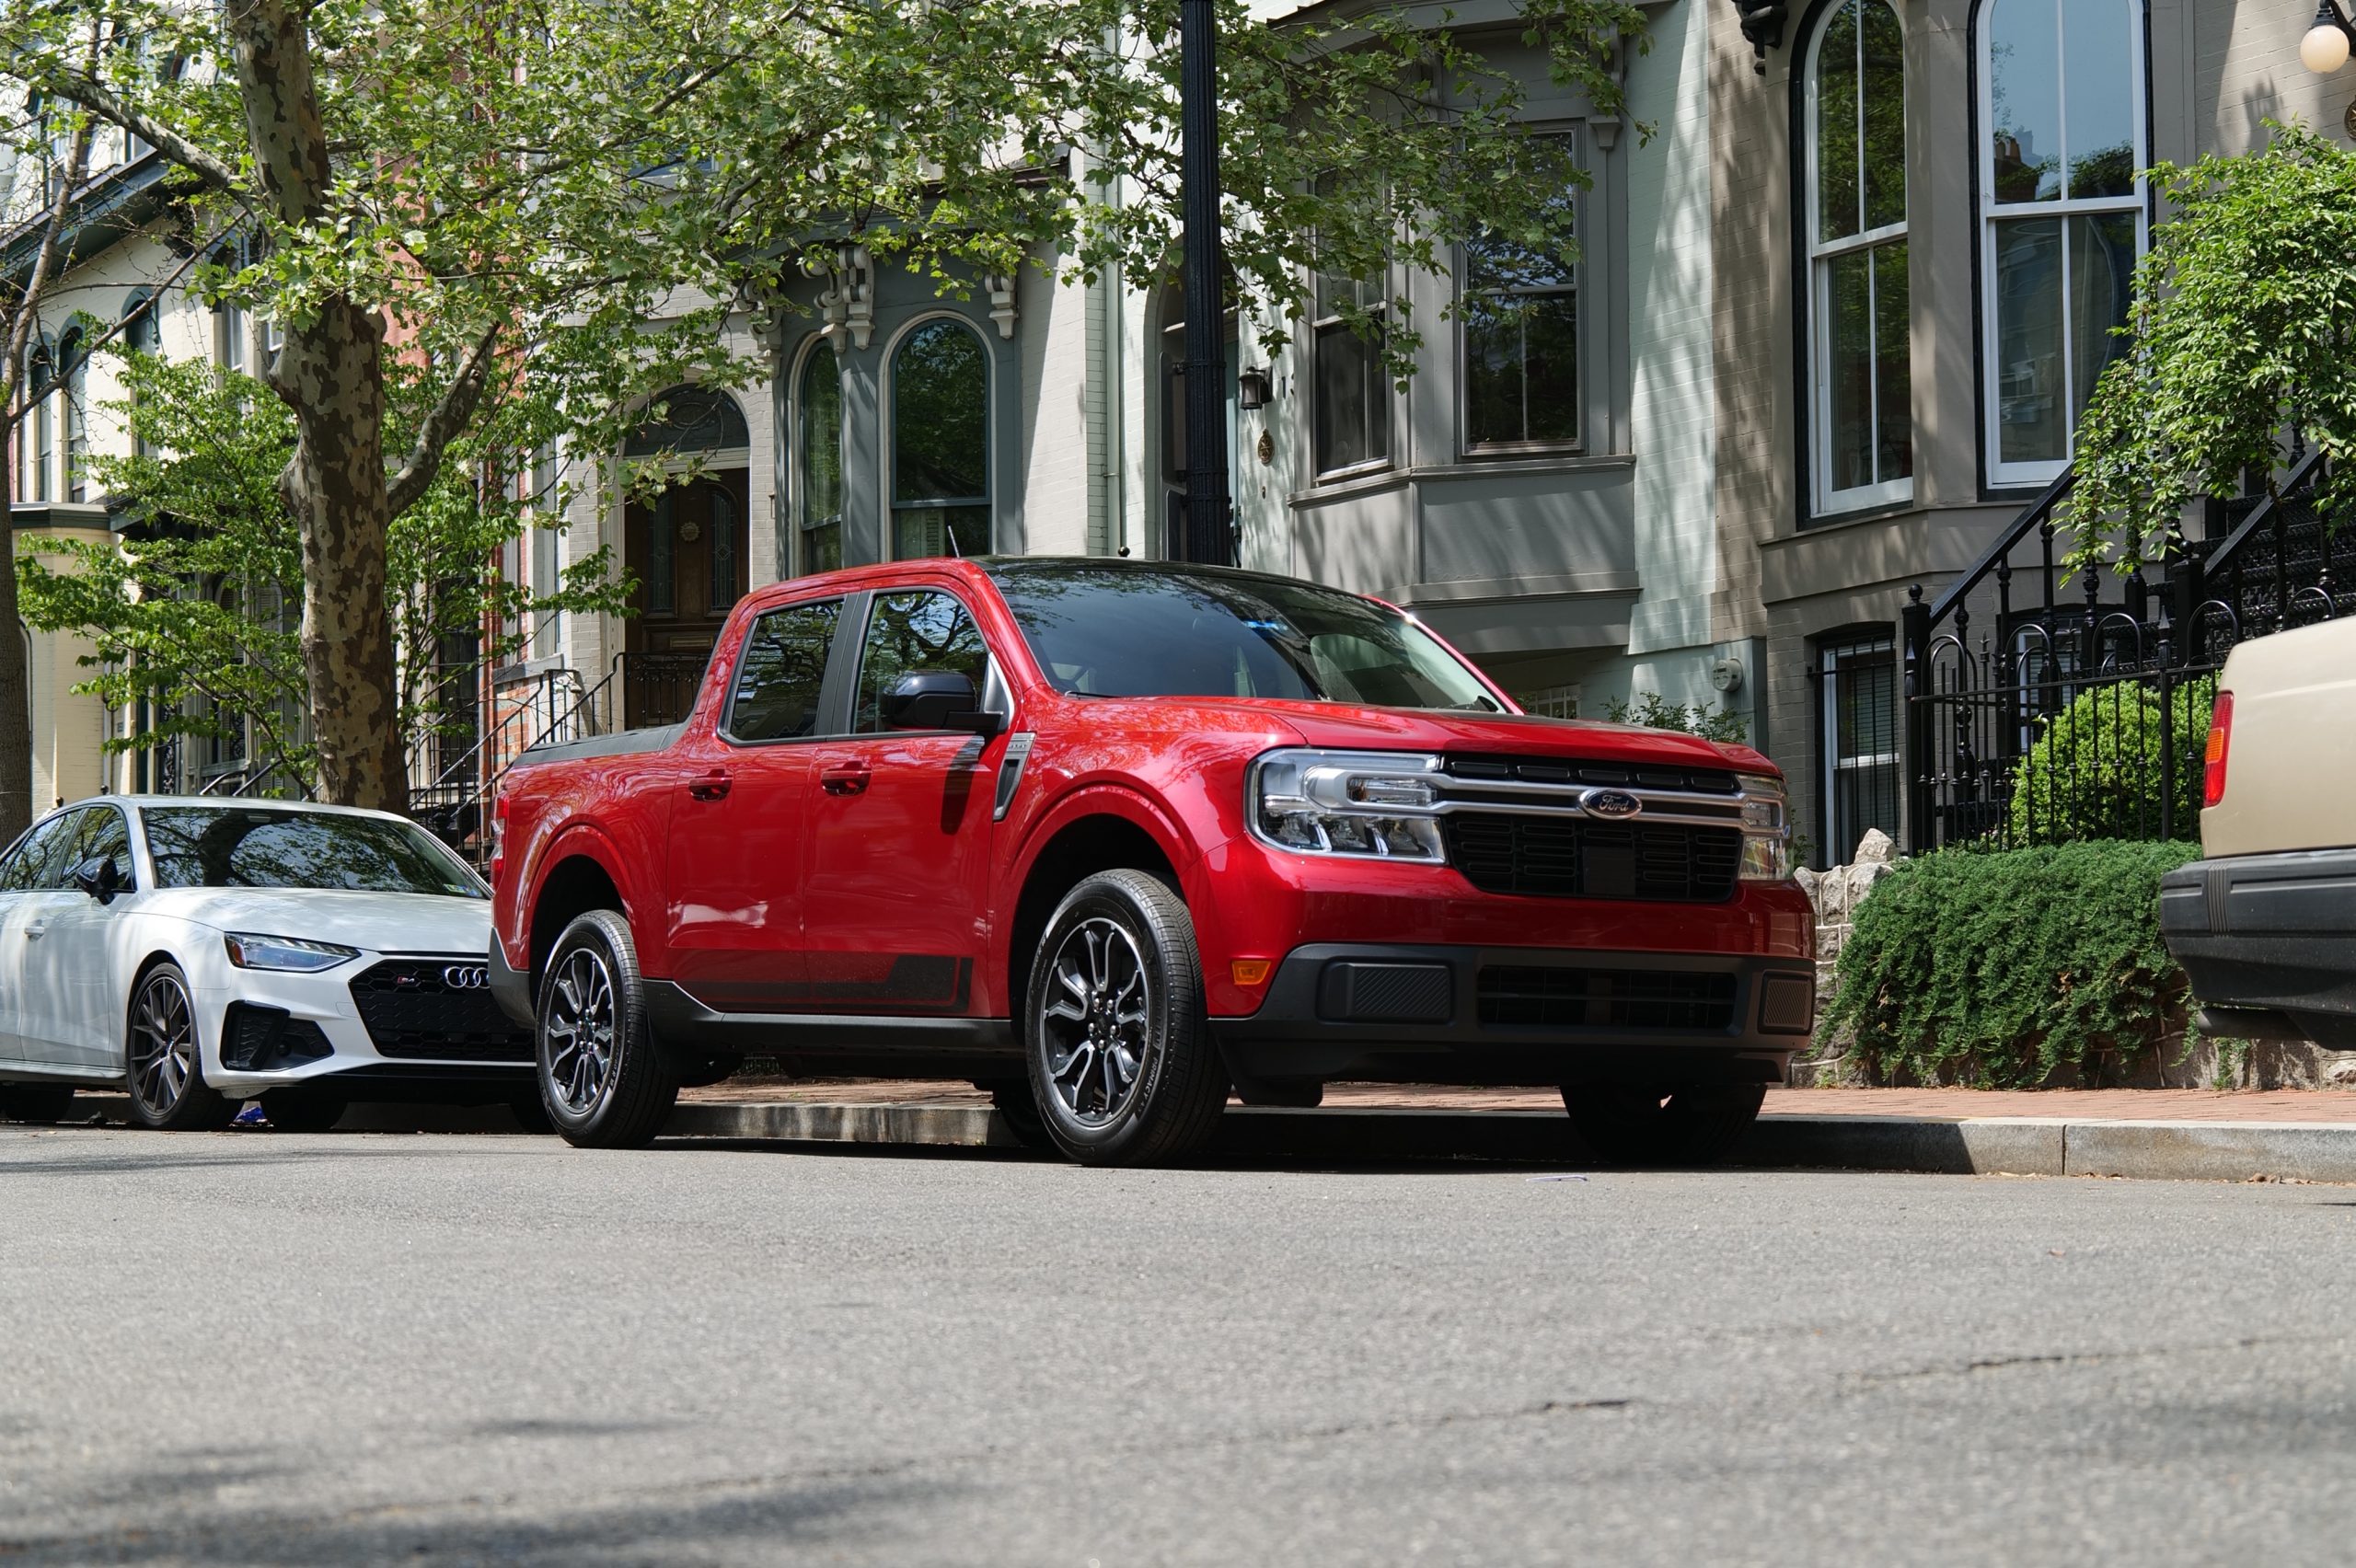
x=330 y=372
x=15 y=695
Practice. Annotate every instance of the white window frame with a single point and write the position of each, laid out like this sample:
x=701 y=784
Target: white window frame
x=1828 y=657
x=2000 y=474
x=1821 y=254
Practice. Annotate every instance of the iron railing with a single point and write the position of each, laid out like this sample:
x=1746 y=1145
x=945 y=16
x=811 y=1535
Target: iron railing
x=2038 y=706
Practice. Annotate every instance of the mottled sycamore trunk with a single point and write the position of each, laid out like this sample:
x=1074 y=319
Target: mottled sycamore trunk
x=331 y=372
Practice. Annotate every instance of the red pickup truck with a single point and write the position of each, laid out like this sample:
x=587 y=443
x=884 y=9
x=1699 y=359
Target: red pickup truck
x=1112 y=838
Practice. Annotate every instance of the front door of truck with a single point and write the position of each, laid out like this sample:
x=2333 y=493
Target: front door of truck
x=733 y=916
x=895 y=904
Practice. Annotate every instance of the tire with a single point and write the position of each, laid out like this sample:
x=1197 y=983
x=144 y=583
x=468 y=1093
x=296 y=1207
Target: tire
x=602 y=1079
x=1122 y=1067
x=164 y=1066
x=1676 y=1126
x=42 y=1105
x=303 y=1111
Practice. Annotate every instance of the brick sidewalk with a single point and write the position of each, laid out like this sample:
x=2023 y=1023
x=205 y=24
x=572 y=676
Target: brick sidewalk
x=1939 y=1104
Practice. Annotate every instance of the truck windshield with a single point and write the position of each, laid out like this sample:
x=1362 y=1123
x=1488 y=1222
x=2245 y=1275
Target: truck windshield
x=255 y=846
x=1158 y=631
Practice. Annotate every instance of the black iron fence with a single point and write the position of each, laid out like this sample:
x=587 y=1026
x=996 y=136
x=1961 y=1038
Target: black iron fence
x=2042 y=705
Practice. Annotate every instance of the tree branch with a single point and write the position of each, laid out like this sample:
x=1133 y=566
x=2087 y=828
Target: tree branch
x=84 y=91
x=448 y=417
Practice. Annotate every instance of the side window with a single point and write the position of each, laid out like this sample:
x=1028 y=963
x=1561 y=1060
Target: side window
x=107 y=836
x=782 y=673
x=918 y=629
x=46 y=858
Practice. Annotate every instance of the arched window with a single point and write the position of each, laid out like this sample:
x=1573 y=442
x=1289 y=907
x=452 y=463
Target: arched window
x=688 y=419
x=1863 y=413
x=940 y=468
x=818 y=451
x=39 y=441
x=72 y=413
x=2062 y=214
x=142 y=334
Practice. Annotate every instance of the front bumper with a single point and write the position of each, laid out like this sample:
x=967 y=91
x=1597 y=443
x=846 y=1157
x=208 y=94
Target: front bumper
x=269 y=1029
x=1512 y=1015
x=2268 y=943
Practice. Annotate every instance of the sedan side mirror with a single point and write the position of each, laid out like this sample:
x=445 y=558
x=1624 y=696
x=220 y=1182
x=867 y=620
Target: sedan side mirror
x=936 y=700
x=100 y=877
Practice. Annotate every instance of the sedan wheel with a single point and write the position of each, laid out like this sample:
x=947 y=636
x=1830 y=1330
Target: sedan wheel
x=603 y=1082
x=166 y=1068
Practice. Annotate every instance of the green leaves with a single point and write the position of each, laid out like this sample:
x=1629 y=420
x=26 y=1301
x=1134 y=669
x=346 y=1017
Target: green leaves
x=2241 y=332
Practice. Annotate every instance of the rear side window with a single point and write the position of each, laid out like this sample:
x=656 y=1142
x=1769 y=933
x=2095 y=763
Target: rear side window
x=919 y=631
x=782 y=671
x=45 y=858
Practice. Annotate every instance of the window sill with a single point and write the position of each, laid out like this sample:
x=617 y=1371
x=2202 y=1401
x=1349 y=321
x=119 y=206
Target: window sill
x=1356 y=483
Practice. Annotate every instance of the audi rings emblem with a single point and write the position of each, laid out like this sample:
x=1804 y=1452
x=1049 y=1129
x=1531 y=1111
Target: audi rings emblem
x=1612 y=805
x=466 y=977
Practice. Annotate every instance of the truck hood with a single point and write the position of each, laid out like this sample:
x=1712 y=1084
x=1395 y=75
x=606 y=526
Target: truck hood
x=379 y=922
x=1520 y=734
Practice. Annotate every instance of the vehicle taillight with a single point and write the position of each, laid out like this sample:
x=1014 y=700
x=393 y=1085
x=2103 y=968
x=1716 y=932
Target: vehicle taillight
x=2221 y=741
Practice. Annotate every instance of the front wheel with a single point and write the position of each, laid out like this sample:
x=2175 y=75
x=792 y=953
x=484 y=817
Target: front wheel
x=1123 y=1066
x=44 y=1104
x=166 y=1067
x=603 y=1082
x=1678 y=1125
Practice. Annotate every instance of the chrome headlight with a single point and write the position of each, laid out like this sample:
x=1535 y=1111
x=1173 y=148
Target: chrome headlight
x=248 y=950
x=1378 y=804
x=1766 y=829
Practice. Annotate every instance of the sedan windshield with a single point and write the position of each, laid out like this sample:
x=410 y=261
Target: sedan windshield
x=254 y=846
x=1130 y=631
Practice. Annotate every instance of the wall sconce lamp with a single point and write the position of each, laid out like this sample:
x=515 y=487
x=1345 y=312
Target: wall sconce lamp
x=2324 y=48
x=1252 y=390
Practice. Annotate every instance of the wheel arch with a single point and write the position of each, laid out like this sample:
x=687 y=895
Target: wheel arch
x=577 y=877
x=1109 y=832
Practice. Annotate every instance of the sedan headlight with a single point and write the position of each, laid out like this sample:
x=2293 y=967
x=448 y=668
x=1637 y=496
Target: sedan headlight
x=1766 y=829
x=1378 y=804
x=249 y=950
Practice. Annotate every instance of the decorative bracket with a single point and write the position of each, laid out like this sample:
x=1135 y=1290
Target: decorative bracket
x=846 y=305
x=1763 y=25
x=1001 y=287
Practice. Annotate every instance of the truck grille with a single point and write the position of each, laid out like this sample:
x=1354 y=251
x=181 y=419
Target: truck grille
x=1552 y=856
x=1517 y=997
x=413 y=1010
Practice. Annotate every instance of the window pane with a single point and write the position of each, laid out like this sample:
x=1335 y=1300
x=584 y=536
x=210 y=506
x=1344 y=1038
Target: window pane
x=1848 y=370
x=920 y=533
x=921 y=631
x=1884 y=85
x=724 y=552
x=1343 y=364
x=2098 y=75
x=1492 y=406
x=1862 y=767
x=1550 y=331
x=782 y=671
x=2032 y=412
x=1893 y=384
x=940 y=416
x=2025 y=91
x=821 y=439
x=1836 y=125
x=660 y=593
x=49 y=854
x=2102 y=276
x=255 y=846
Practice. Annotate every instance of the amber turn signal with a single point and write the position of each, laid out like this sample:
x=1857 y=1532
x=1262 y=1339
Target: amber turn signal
x=1250 y=971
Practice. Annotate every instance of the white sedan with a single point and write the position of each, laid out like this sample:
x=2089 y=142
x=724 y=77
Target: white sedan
x=203 y=951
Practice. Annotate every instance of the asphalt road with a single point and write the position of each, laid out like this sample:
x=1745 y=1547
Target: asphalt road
x=251 y=1348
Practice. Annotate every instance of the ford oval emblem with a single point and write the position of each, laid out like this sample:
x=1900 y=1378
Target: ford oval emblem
x=1612 y=805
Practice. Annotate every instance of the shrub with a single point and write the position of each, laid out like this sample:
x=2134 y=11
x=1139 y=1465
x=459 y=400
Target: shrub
x=1653 y=713
x=2094 y=770
x=1999 y=967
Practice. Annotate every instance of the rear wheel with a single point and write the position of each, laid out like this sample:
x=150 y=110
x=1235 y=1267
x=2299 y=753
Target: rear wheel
x=41 y=1103
x=166 y=1070
x=303 y=1111
x=603 y=1082
x=1122 y=1067
x=1674 y=1125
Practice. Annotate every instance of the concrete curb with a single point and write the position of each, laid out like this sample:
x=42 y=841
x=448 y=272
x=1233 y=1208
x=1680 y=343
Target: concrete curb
x=2214 y=1151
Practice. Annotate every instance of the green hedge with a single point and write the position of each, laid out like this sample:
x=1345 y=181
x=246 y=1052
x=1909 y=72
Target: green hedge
x=1999 y=967
x=2094 y=770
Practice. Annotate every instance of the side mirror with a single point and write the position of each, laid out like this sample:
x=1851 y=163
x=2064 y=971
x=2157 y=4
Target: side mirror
x=100 y=877
x=936 y=700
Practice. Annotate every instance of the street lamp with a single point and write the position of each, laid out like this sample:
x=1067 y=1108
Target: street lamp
x=2324 y=48
x=1209 y=529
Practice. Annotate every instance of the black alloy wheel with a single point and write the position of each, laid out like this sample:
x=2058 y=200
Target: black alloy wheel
x=165 y=1064
x=42 y=1105
x=603 y=1081
x=303 y=1110
x=1678 y=1125
x=1122 y=1067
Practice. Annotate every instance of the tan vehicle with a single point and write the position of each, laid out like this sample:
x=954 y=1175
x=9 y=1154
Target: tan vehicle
x=2265 y=925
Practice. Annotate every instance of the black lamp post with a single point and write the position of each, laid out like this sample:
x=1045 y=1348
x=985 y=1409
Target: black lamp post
x=1210 y=530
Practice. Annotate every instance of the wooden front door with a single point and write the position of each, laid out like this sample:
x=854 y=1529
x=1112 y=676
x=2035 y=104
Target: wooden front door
x=687 y=552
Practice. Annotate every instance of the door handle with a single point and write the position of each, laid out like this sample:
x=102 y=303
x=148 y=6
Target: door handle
x=713 y=786
x=844 y=778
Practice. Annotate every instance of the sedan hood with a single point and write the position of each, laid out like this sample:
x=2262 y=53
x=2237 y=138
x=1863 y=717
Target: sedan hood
x=382 y=922
x=1519 y=734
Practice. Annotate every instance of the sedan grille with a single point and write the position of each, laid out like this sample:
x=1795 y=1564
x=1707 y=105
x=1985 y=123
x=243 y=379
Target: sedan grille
x=436 y=1008
x=1568 y=856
